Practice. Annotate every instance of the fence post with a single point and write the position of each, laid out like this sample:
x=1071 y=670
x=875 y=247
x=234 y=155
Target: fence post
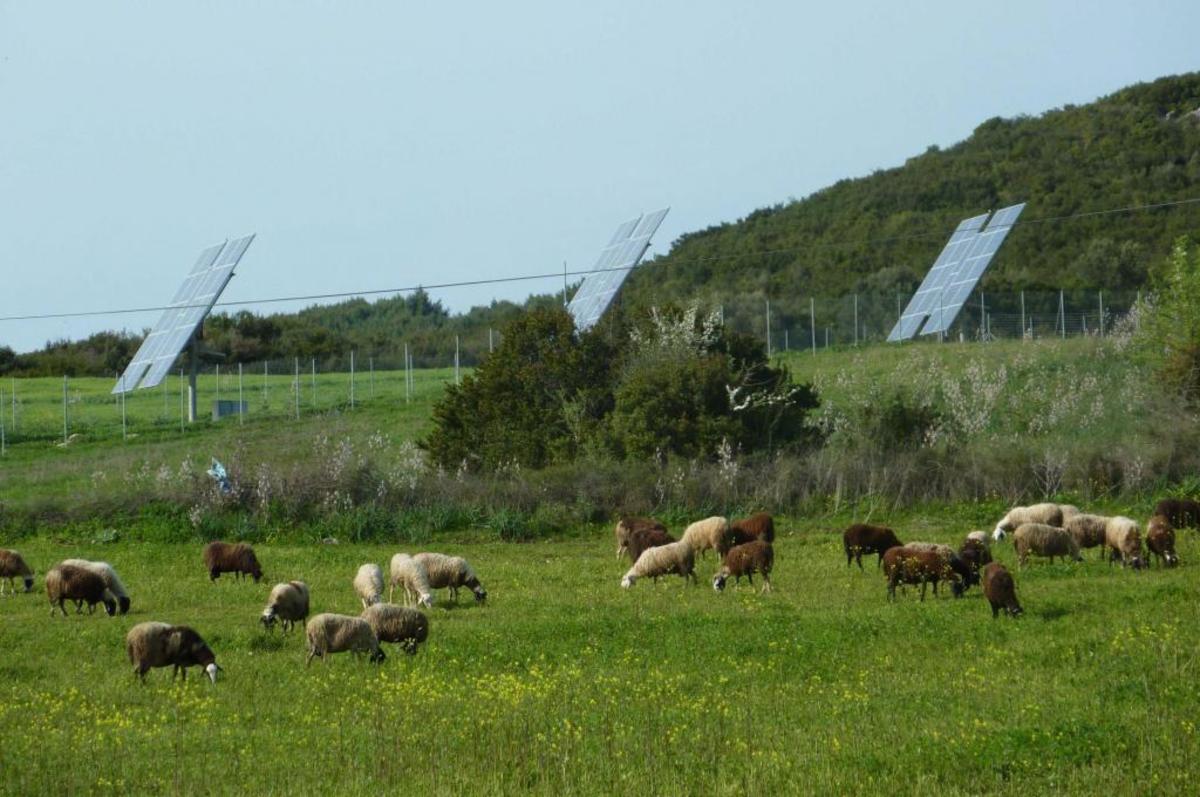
x=64 y=409
x=296 y=387
x=218 y=399
x=457 y=381
x=856 y=319
x=314 y=383
x=181 y=400
x=371 y=381
x=14 y=394
x=241 y=402
x=786 y=347
x=812 y=323
x=124 y=428
x=1101 y=313
x=768 y=327
x=407 y=378
x=1022 y=315
x=2 y=425
x=1062 y=312
x=352 y=379
x=491 y=348
x=266 y=369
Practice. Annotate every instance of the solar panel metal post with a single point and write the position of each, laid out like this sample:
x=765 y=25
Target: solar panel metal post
x=241 y=403
x=64 y=409
x=1101 y=313
x=296 y=388
x=193 y=365
x=352 y=379
x=812 y=323
x=407 y=378
x=491 y=347
x=124 y=428
x=218 y=384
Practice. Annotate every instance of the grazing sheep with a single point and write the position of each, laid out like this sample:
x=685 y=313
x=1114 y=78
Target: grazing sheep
x=1000 y=591
x=1088 y=530
x=403 y=570
x=676 y=557
x=1043 y=540
x=626 y=526
x=1160 y=539
x=863 y=538
x=705 y=534
x=1183 y=513
x=1068 y=511
x=760 y=526
x=338 y=633
x=641 y=539
x=1045 y=514
x=399 y=624
x=13 y=566
x=116 y=590
x=69 y=583
x=980 y=537
x=452 y=572
x=975 y=554
x=288 y=603
x=368 y=583
x=965 y=572
x=1124 y=541
x=746 y=560
x=237 y=558
x=161 y=645
x=903 y=565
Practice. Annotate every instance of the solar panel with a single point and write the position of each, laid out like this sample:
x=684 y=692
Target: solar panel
x=958 y=288
x=925 y=299
x=193 y=301
x=624 y=251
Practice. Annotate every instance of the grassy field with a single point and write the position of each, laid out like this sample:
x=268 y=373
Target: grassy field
x=565 y=683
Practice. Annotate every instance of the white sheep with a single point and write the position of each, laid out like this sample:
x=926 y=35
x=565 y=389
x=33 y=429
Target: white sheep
x=339 y=633
x=1043 y=540
x=112 y=582
x=1123 y=538
x=980 y=537
x=705 y=534
x=368 y=584
x=406 y=572
x=399 y=624
x=451 y=572
x=675 y=557
x=1045 y=514
x=288 y=603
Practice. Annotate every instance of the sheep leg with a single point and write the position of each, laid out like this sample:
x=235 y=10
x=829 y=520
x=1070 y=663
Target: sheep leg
x=308 y=659
x=995 y=610
x=766 y=583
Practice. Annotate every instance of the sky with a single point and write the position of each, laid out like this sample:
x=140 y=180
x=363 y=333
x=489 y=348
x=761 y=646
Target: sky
x=387 y=145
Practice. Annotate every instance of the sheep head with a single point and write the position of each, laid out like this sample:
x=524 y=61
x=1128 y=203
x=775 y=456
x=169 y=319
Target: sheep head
x=268 y=618
x=377 y=656
x=627 y=582
x=110 y=606
x=719 y=580
x=29 y=583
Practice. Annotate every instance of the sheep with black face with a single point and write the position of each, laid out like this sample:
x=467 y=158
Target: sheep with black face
x=154 y=644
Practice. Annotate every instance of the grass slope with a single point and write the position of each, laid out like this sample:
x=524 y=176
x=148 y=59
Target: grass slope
x=564 y=683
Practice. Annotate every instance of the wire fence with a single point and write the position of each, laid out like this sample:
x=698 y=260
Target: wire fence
x=64 y=410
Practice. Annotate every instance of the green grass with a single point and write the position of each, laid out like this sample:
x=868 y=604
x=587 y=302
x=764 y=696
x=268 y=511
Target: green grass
x=565 y=683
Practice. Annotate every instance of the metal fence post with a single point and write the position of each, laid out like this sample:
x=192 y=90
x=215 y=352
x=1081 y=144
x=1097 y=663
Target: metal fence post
x=856 y=319
x=352 y=379
x=407 y=378
x=1101 y=313
x=768 y=327
x=812 y=323
x=1022 y=315
x=1062 y=312
x=241 y=402
x=182 y=400
x=296 y=387
x=314 y=383
x=64 y=409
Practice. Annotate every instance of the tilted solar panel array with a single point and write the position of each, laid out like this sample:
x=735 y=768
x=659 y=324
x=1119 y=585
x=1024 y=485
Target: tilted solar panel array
x=193 y=301
x=958 y=288
x=624 y=251
x=925 y=299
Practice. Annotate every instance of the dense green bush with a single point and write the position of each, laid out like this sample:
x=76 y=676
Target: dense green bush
x=1169 y=324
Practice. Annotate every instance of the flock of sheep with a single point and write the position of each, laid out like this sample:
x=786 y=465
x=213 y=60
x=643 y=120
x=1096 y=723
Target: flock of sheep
x=744 y=546
x=1046 y=530
x=153 y=644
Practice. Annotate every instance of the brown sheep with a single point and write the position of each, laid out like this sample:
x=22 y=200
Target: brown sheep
x=1160 y=539
x=746 y=560
x=904 y=566
x=641 y=539
x=626 y=526
x=161 y=645
x=237 y=558
x=760 y=526
x=864 y=538
x=999 y=589
x=69 y=583
x=13 y=566
x=975 y=554
x=1183 y=513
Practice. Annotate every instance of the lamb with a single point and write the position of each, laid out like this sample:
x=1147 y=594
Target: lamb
x=399 y=624
x=1183 y=513
x=452 y=572
x=999 y=589
x=1123 y=539
x=903 y=565
x=975 y=553
x=760 y=526
x=225 y=557
x=161 y=645
x=1044 y=540
x=1088 y=530
x=67 y=582
x=368 y=583
x=626 y=526
x=403 y=570
x=746 y=560
x=116 y=590
x=641 y=539
x=338 y=633
x=13 y=566
x=863 y=538
x=705 y=534
x=1045 y=514
x=1160 y=539
x=288 y=603
x=676 y=557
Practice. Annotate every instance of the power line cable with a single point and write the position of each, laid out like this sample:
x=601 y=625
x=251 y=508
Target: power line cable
x=559 y=274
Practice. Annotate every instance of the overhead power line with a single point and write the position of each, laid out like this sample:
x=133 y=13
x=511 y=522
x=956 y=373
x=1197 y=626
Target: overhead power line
x=560 y=274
